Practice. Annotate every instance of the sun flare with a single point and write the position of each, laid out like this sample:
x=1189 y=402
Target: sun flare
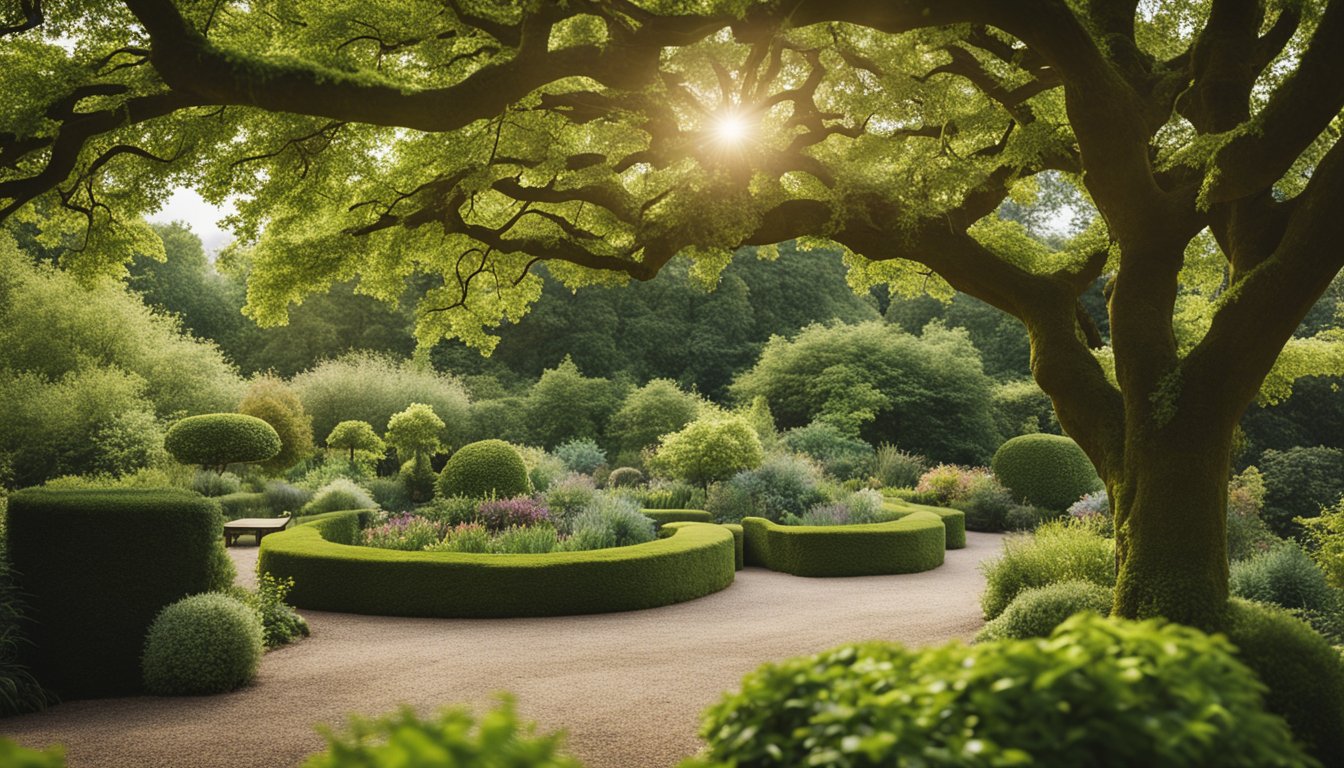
x=731 y=128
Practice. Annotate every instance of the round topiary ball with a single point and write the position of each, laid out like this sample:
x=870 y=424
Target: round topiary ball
x=485 y=468
x=208 y=643
x=1048 y=471
x=625 y=477
x=219 y=439
x=1036 y=612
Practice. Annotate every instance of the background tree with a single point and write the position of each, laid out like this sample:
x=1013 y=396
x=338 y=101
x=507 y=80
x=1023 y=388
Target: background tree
x=355 y=437
x=564 y=405
x=655 y=409
x=273 y=401
x=415 y=432
x=708 y=450
x=1205 y=136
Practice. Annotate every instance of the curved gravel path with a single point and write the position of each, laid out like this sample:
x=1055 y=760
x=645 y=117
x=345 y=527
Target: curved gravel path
x=628 y=688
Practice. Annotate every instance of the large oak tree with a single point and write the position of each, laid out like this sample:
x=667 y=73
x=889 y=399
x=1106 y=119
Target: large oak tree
x=469 y=139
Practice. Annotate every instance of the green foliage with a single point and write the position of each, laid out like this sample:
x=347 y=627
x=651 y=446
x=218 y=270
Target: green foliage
x=282 y=498
x=415 y=432
x=16 y=756
x=913 y=543
x=1048 y=471
x=569 y=496
x=482 y=469
x=505 y=418
x=625 y=477
x=280 y=624
x=1326 y=536
x=453 y=738
x=208 y=482
x=1287 y=577
x=566 y=405
x=80 y=557
x=372 y=388
x=987 y=504
x=1304 y=674
x=275 y=402
x=356 y=437
x=1247 y=533
x=841 y=455
x=450 y=511
x=783 y=485
x=1298 y=483
x=542 y=468
x=1149 y=694
x=708 y=449
x=926 y=393
x=609 y=521
x=895 y=468
x=242 y=504
x=337 y=495
x=1037 y=611
x=658 y=408
x=696 y=560
x=215 y=440
x=676 y=494
x=1000 y=338
x=1056 y=552
x=581 y=455
x=1021 y=408
x=202 y=644
x=20 y=692
x=415 y=481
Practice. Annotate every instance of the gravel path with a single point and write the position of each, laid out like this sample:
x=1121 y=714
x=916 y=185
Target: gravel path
x=628 y=688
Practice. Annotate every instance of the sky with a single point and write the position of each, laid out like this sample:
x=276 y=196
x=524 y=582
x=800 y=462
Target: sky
x=201 y=216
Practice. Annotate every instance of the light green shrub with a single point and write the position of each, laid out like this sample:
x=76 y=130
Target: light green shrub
x=339 y=494
x=485 y=468
x=1058 y=551
x=1048 y=471
x=202 y=644
x=1035 y=612
x=215 y=440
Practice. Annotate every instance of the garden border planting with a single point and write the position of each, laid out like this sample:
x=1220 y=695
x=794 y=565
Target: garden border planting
x=331 y=574
x=664 y=516
x=914 y=543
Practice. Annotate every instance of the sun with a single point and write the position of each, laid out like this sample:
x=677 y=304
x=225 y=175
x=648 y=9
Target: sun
x=731 y=128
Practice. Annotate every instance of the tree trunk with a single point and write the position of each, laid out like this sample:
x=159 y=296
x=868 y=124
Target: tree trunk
x=1171 y=523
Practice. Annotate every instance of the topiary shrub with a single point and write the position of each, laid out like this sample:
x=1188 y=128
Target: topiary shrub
x=1058 y=551
x=215 y=440
x=913 y=543
x=625 y=477
x=202 y=644
x=1099 y=691
x=1037 y=611
x=417 y=478
x=1048 y=471
x=1304 y=674
x=485 y=468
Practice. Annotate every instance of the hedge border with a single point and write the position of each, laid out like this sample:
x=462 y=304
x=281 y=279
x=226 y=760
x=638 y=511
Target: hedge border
x=664 y=516
x=953 y=519
x=914 y=543
x=738 y=544
x=694 y=560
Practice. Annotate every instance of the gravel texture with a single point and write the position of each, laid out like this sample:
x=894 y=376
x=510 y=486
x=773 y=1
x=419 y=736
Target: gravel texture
x=628 y=687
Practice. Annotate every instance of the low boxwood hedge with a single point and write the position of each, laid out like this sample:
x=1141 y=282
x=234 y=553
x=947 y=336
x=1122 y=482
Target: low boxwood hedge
x=738 y=544
x=915 y=542
x=954 y=520
x=662 y=516
x=696 y=559
x=97 y=566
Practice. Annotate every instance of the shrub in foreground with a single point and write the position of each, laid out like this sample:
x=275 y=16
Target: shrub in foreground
x=1037 y=611
x=482 y=469
x=1048 y=471
x=215 y=440
x=12 y=754
x=1057 y=552
x=202 y=644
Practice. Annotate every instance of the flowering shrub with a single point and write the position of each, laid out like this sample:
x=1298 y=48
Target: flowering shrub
x=498 y=514
x=858 y=508
x=947 y=483
x=409 y=532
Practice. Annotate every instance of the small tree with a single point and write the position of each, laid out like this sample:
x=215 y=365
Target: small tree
x=272 y=400
x=215 y=440
x=709 y=449
x=415 y=432
x=355 y=436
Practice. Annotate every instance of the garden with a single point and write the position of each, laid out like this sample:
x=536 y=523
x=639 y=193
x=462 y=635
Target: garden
x=632 y=383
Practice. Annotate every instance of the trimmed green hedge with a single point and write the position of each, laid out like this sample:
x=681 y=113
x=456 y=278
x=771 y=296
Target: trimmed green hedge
x=1048 y=471
x=484 y=468
x=218 y=439
x=738 y=544
x=97 y=567
x=694 y=561
x=664 y=516
x=954 y=520
x=915 y=542
x=244 y=504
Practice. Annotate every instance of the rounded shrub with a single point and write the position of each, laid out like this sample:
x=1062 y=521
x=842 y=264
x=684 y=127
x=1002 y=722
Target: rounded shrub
x=581 y=455
x=625 y=477
x=1058 y=551
x=1048 y=471
x=418 y=478
x=337 y=495
x=215 y=440
x=485 y=468
x=208 y=643
x=1098 y=691
x=1037 y=611
x=1304 y=674
x=1285 y=576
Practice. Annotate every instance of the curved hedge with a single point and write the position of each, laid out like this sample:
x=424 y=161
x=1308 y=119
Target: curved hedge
x=694 y=560
x=954 y=520
x=664 y=516
x=739 y=537
x=915 y=542
x=484 y=468
x=1048 y=471
x=218 y=439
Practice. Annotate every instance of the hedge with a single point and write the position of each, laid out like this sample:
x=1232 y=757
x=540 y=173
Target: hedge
x=954 y=520
x=914 y=543
x=483 y=469
x=1048 y=471
x=738 y=544
x=98 y=566
x=218 y=439
x=696 y=559
x=663 y=516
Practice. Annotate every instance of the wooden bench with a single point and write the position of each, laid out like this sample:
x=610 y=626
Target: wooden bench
x=256 y=526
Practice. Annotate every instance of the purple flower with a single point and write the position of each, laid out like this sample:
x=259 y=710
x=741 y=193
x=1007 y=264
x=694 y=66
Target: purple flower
x=520 y=511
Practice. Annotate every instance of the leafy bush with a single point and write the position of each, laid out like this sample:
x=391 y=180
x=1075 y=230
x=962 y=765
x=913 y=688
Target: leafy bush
x=275 y=402
x=403 y=739
x=503 y=418
x=1037 y=611
x=449 y=511
x=1247 y=533
x=13 y=754
x=338 y=495
x=216 y=440
x=1058 y=551
x=707 y=450
x=483 y=469
x=242 y=504
x=728 y=503
x=783 y=485
x=407 y=532
x=581 y=455
x=674 y=494
x=463 y=537
x=1287 y=577
x=840 y=455
x=529 y=540
x=946 y=483
x=1326 y=534
x=1048 y=471
x=1098 y=687
x=609 y=521
x=986 y=503
x=625 y=477
x=499 y=514
x=895 y=468
x=415 y=433
x=414 y=484
x=1095 y=509
x=859 y=508
x=567 y=497
x=1021 y=408
x=542 y=468
x=1304 y=674
x=20 y=691
x=357 y=439
x=202 y=644
x=281 y=497
x=655 y=409
x=390 y=493
x=280 y=624
x=1298 y=483
x=208 y=482
x=564 y=404
x=1023 y=518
